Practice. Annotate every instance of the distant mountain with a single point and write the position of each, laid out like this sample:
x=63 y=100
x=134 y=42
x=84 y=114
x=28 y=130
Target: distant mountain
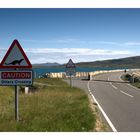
x=46 y=65
x=129 y=62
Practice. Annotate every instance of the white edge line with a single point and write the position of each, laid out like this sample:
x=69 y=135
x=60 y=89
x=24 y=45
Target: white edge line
x=104 y=114
x=133 y=87
x=129 y=84
x=126 y=94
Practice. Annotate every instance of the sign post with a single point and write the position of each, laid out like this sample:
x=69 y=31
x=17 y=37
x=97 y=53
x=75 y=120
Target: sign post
x=10 y=75
x=70 y=70
x=70 y=81
x=16 y=103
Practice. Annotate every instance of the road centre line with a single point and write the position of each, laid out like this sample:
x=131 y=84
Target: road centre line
x=103 y=112
x=114 y=87
x=126 y=94
x=129 y=84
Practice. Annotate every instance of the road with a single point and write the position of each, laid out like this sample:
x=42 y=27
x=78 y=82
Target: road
x=119 y=101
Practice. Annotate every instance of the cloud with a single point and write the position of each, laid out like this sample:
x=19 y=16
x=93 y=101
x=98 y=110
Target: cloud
x=53 y=41
x=62 y=55
x=56 y=50
x=2 y=53
x=103 y=42
x=73 y=41
x=69 y=40
x=131 y=43
x=80 y=51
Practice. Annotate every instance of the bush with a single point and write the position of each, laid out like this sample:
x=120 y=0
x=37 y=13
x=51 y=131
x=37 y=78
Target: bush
x=127 y=77
x=136 y=80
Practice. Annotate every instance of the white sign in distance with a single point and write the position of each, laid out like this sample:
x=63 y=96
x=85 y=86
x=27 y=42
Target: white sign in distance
x=70 y=68
x=70 y=64
x=70 y=71
x=14 y=77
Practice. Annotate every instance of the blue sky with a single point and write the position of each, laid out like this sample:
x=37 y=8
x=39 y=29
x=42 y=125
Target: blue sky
x=56 y=35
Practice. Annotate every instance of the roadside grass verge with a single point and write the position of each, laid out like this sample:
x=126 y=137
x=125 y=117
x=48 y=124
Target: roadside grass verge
x=126 y=77
x=52 y=81
x=53 y=109
x=136 y=85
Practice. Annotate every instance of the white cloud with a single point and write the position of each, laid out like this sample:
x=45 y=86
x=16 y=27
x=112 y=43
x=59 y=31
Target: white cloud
x=61 y=41
x=70 y=40
x=62 y=55
x=53 y=50
x=131 y=43
x=103 y=42
x=80 y=51
x=82 y=42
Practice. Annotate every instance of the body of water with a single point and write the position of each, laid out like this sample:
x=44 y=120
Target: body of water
x=42 y=71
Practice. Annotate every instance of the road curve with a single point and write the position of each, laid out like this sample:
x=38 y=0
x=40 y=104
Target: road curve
x=119 y=100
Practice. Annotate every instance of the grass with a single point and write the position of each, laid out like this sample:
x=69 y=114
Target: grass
x=136 y=84
x=126 y=78
x=53 y=109
x=52 y=81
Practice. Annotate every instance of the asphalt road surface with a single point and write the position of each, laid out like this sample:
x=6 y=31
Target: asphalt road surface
x=119 y=101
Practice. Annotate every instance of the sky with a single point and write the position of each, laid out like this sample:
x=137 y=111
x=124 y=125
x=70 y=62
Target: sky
x=56 y=35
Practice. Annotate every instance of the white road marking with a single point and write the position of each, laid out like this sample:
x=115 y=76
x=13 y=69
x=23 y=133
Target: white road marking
x=120 y=78
x=88 y=86
x=126 y=94
x=133 y=87
x=129 y=84
x=103 y=112
x=114 y=87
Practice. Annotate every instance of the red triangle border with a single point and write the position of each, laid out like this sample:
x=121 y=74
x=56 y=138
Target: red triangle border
x=8 y=52
x=72 y=66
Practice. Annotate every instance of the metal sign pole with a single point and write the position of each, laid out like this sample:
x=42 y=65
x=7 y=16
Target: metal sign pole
x=16 y=104
x=70 y=80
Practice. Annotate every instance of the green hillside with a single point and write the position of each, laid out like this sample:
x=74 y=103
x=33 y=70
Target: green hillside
x=130 y=62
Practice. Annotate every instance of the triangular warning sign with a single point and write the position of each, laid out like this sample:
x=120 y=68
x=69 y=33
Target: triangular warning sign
x=70 y=64
x=15 y=57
